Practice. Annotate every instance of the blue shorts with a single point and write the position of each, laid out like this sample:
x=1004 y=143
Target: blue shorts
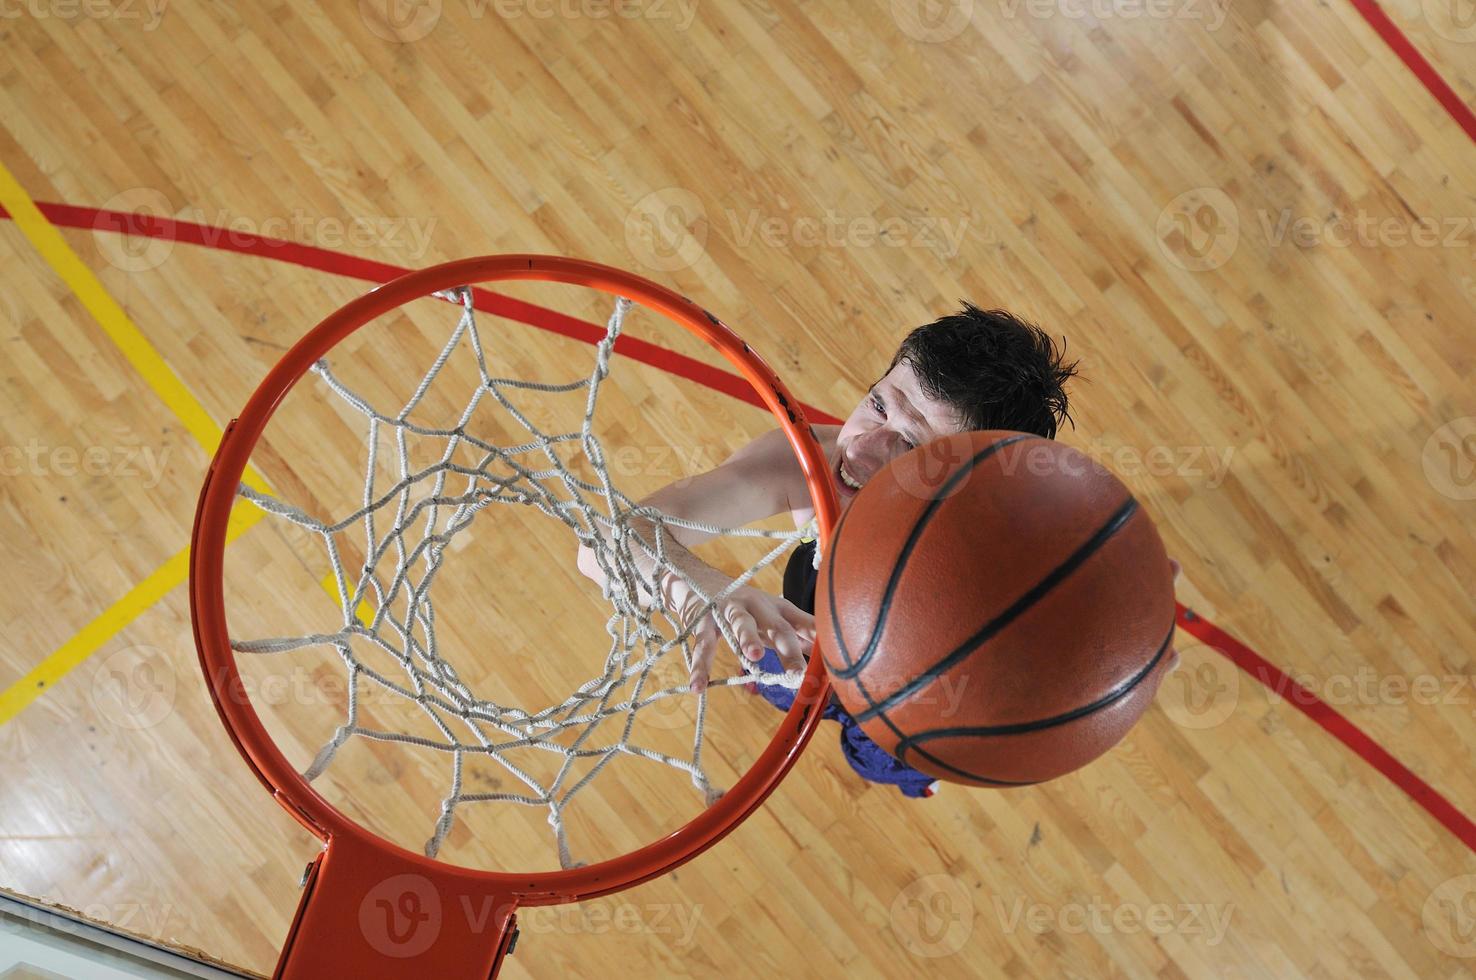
x=865 y=756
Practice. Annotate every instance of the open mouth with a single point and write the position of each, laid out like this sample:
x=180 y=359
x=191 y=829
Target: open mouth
x=844 y=481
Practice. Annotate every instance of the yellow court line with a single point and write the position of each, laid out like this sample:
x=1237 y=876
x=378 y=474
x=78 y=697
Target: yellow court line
x=53 y=248
x=71 y=654
x=155 y=371
x=364 y=614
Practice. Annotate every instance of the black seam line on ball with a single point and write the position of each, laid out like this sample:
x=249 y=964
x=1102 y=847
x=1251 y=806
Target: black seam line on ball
x=939 y=496
x=910 y=743
x=1093 y=544
x=905 y=742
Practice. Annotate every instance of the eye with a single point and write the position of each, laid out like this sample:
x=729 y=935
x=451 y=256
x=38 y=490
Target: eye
x=880 y=407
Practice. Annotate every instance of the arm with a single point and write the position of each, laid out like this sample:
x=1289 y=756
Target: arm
x=752 y=484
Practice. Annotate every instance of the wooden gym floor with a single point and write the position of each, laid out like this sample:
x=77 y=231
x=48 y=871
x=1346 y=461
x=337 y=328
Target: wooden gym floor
x=1248 y=219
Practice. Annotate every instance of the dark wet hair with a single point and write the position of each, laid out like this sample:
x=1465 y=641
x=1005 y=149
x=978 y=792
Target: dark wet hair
x=996 y=370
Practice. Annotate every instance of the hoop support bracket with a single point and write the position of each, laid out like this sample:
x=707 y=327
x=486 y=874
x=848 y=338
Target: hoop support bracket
x=391 y=918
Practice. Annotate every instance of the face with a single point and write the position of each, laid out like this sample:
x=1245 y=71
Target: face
x=895 y=416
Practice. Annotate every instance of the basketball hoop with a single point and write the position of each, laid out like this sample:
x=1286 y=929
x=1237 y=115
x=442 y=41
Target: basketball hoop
x=461 y=920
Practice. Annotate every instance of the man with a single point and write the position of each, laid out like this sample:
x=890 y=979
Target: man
x=972 y=370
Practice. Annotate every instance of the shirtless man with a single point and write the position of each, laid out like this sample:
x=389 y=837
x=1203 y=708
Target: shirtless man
x=971 y=370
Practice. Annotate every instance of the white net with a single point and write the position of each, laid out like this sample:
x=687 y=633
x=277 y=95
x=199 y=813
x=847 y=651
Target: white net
x=407 y=529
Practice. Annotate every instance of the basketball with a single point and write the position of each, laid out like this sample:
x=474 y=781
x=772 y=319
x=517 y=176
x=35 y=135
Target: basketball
x=996 y=609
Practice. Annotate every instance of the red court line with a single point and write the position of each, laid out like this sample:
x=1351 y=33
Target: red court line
x=1252 y=663
x=323 y=260
x=1309 y=704
x=1416 y=63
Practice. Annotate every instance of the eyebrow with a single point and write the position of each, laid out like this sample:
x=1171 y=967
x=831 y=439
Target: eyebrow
x=918 y=422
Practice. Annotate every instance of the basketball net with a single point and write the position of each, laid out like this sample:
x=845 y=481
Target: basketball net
x=407 y=529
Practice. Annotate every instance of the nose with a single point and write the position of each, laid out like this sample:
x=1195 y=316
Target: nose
x=876 y=448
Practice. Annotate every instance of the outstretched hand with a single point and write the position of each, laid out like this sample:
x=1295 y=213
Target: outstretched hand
x=755 y=619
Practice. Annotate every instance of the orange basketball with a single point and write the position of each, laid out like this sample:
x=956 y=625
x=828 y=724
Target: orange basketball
x=996 y=609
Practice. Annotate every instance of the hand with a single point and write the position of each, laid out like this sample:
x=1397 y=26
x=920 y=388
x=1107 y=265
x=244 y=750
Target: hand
x=755 y=618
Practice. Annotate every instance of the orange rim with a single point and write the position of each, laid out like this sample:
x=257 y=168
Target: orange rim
x=207 y=601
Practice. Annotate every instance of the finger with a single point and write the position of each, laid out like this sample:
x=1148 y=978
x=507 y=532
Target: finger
x=746 y=632
x=749 y=636
x=782 y=636
x=802 y=621
x=1177 y=568
x=703 y=646
x=789 y=647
